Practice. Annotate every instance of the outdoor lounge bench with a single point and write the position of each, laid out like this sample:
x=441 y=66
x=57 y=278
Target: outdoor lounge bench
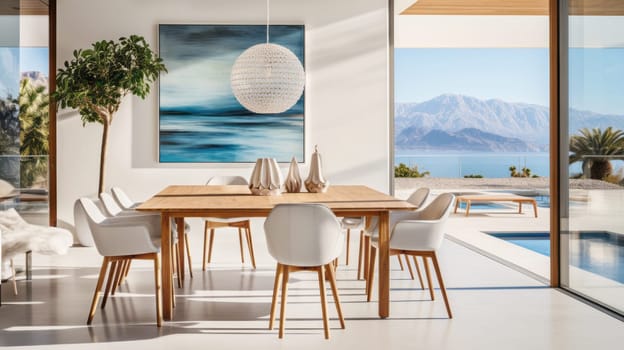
x=468 y=199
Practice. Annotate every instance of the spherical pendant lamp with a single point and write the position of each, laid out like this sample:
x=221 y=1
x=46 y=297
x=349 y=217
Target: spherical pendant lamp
x=267 y=78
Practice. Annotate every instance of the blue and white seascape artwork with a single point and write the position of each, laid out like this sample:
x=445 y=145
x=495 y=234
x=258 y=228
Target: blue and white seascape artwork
x=200 y=119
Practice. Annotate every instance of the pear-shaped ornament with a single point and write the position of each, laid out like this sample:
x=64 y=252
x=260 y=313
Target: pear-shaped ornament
x=315 y=182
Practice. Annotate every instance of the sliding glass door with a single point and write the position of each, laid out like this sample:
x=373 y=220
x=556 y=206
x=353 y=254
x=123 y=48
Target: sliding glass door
x=24 y=109
x=592 y=225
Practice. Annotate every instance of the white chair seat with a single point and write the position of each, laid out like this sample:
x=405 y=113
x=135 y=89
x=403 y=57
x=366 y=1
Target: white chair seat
x=352 y=222
x=226 y=220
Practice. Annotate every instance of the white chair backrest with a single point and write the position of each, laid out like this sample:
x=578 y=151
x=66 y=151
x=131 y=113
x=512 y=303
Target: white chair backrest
x=438 y=208
x=424 y=231
x=227 y=180
x=419 y=197
x=122 y=198
x=110 y=204
x=303 y=234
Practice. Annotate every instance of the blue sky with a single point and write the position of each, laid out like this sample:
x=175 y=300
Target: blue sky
x=14 y=60
x=34 y=59
x=510 y=74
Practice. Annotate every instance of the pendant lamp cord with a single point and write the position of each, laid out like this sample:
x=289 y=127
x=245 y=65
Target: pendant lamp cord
x=267 y=27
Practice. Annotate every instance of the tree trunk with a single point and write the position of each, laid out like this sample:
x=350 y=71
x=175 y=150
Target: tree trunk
x=103 y=156
x=600 y=169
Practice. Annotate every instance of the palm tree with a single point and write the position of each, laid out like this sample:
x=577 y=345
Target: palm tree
x=591 y=145
x=33 y=116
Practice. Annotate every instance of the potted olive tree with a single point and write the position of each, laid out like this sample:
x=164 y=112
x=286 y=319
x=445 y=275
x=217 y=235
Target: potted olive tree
x=97 y=79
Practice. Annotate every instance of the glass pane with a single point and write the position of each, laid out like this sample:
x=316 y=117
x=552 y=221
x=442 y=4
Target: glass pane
x=593 y=241
x=24 y=120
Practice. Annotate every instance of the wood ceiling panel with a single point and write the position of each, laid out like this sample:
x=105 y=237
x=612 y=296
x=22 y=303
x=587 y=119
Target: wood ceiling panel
x=512 y=7
x=24 y=7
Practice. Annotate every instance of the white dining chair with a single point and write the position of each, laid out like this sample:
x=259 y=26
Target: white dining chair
x=303 y=237
x=418 y=233
x=112 y=208
x=242 y=224
x=418 y=199
x=121 y=204
x=120 y=239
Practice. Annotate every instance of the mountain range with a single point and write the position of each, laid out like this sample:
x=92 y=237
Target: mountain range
x=36 y=78
x=464 y=123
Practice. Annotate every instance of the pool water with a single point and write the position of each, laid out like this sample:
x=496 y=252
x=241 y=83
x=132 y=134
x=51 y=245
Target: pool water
x=482 y=205
x=600 y=252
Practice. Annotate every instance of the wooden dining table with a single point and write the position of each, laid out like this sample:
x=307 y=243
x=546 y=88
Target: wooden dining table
x=180 y=201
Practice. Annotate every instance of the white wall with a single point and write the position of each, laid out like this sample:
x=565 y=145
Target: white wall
x=346 y=92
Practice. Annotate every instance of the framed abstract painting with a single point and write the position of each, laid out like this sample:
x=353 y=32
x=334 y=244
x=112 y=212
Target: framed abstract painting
x=200 y=120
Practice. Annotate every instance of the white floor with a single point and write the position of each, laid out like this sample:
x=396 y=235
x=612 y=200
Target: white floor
x=227 y=307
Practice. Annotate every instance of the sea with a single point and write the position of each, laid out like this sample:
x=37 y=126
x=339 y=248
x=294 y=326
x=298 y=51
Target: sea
x=197 y=138
x=487 y=164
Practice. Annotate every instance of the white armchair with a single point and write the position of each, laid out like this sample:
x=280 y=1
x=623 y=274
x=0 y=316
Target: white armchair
x=418 y=199
x=418 y=233
x=119 y=239
x=120 y=204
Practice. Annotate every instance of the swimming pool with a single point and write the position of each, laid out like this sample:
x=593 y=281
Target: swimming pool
x=600 y=252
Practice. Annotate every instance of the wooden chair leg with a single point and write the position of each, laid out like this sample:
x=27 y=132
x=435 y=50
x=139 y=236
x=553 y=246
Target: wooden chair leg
x=400 y=261
x=204 y=255
x=176 y=264
x=409 y=266
x=128 y=268
x=240 y=243
x=250 y=246
x=98 y=287
x=348 y=245
x=212 y=230
x=428 y=278
x=371 y=274
x=367 y=249
x=188 y=255
x=436 y=266
x=278 y=276
x=109 y=281
x=321 y=277
x=124 y=271
x=332 y=281
x=283 y=305
x=422 y=286
x=157 y=284
x=116 y=277
x=13 y=277
x=173 y=294
x=360 y=256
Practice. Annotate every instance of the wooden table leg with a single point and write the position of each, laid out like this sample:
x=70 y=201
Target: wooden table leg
x=181 y=242
x=384 y=264
x=467 y=208
x=165 y=246
x=456 y=206
x=535 y=208
x=519 y=207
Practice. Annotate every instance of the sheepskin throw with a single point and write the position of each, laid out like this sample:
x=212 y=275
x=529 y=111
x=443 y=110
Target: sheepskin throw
x=18 y=237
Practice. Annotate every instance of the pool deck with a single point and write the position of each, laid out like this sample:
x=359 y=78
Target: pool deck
x=597 y=208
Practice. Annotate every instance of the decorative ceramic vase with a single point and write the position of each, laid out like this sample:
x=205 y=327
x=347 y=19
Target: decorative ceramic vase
x=266 y=178
x=293 y=179
x=316 y=182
